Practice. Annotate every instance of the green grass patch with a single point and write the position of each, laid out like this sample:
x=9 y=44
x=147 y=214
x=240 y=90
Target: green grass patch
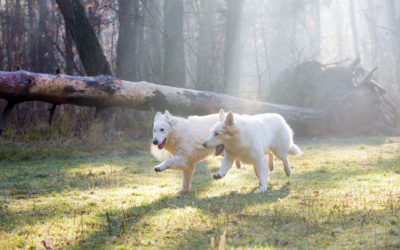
x=342 y=194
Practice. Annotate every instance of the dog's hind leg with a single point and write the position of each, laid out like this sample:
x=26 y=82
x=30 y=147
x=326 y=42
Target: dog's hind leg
x=271 y=164
x=256 y=171
x=238 y=164
x=186 y=179
x=261 y=165
x=286 y=166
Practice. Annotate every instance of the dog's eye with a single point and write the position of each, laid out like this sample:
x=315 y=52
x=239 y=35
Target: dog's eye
x=162 y=130
x=216 y=134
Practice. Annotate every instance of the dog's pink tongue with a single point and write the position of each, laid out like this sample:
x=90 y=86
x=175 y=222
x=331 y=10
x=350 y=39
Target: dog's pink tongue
x=160 y=146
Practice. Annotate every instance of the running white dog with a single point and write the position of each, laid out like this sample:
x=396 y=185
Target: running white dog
x=182 y=138
x=248 y=138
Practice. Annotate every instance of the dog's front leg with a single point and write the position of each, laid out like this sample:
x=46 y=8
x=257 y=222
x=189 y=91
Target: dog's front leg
x=227 y=162
x=176 y=162
x=261 y=165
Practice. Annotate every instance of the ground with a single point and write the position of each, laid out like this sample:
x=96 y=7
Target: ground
x=342 y=194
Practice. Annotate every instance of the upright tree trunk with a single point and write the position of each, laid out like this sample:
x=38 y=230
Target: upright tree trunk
x=373 y=33
x=354 y=27
x=33 y=36
x=317 y=16
x=9 y=14
x=265 y=87
x=19 y=34
x=126 y=47
x=85 y=39
x=46 y=60
x=140 y=40
x=69 y=55
x=205 y=46
x=394 y=22
x=232 y=46
x=154 y=35
x=339 y=33
x=174 y=57
x=2 y=41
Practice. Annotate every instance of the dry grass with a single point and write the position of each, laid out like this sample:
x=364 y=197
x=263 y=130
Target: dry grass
x=342 y=194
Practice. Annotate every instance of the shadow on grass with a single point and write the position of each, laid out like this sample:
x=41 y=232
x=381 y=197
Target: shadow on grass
x=39 y=180
x=232 y=202
x=30 y=179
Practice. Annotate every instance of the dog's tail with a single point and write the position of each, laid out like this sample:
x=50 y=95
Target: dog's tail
x=295 y=150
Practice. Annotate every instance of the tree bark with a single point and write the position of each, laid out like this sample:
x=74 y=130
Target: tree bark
x=127 y=39
x=317 y=16
x=85 y=39
x=105 y=91
x=206 y=46
x=354 y=27
x=393 y=21
x=152 y=64
x=69 y=54
x=174 y=57
x=232 y=46
x=46 y=62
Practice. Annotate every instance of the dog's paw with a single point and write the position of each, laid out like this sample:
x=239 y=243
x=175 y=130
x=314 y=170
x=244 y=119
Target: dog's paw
x=182 y=191
x=157 y=169
x=217 y=176
x=288 y=172
x=271 y=166
x=238 y=164
x=261 y=190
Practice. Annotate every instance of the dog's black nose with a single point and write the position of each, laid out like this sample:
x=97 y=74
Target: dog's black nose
x=204 y=144
x=155 y=142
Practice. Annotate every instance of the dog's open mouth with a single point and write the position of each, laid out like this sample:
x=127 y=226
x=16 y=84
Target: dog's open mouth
x=162 y=144
x=219 y=149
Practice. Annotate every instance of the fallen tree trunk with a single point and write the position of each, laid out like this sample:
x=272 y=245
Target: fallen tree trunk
x=105 y=91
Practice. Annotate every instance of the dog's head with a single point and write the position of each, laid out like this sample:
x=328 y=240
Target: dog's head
x=162 y=128
x=222 y=132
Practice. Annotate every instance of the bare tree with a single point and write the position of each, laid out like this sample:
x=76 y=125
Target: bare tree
x=232 y=46
x=206 y=46
x=85 y=39
x=46 y=61
x=394 y=21
x=354 y=27
x=127 y=39
x=174 y=57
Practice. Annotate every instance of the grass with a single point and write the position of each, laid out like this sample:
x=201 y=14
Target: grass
x=342 y=194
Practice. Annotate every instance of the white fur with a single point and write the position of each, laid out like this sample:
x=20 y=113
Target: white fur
x=248 y=138
x=183 y=141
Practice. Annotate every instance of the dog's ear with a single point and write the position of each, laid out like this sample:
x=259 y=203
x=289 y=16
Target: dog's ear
x=229 y=119
x=221 y=115
x=169 y=118
x=167 y=115
x=158 y=114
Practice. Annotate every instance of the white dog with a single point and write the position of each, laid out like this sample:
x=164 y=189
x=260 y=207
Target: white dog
x=182 y=138
x=248 y=138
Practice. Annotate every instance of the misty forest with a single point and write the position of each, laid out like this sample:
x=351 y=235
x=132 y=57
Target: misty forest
x=81 y=82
